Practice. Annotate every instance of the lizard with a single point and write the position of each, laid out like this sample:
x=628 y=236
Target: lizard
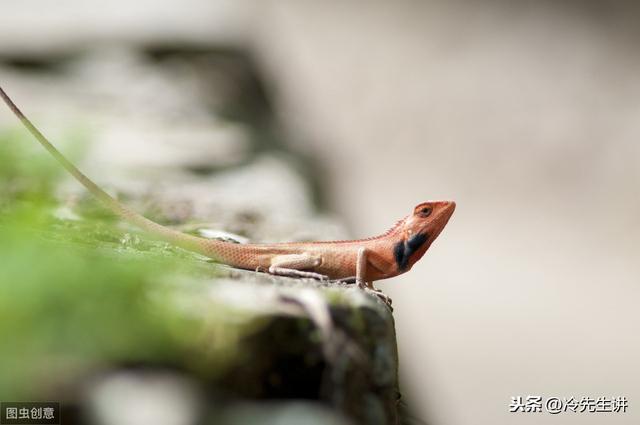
x=362 y=261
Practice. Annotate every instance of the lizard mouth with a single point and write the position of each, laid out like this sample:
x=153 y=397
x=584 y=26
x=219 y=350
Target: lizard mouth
x=442 y=218
x=448 y=211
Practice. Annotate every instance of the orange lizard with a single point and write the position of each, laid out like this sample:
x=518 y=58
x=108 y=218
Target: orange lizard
x=363 y=260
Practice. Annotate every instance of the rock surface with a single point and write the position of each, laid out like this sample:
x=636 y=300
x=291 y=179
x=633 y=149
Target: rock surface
x=266 y=343
x=257 y=344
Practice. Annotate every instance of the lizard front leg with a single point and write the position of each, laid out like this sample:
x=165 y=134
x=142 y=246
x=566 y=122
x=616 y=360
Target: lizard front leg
x=361 y=268
x=295 y=265
x=361 y=271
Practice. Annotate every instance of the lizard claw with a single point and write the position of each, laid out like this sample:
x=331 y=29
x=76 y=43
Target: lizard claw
x=368 y=287
x=385 y=298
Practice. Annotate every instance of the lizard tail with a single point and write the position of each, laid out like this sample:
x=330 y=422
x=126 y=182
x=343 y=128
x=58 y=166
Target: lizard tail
x=192 y=243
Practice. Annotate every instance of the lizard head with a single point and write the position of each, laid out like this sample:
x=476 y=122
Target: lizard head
x=429 y=217
x=420 y=229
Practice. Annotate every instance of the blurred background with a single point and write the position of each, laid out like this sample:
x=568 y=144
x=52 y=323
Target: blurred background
x=527 y=114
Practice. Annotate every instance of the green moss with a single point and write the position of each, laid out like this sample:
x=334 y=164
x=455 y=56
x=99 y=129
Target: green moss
x=79 y=296
x=64 y=305
x=334 y=297
x=357 y=321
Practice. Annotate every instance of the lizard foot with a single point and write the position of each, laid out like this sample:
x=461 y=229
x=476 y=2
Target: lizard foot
x=368 y=287
x=384 y=297
x=362 y=284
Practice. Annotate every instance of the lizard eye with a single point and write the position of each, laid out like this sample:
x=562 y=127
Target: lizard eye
x=425 y=212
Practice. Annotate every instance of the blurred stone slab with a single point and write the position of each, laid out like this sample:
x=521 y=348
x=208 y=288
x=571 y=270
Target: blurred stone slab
x=320 y=342
x=167 y=398
x=158 y=139
x=162 y=147
x=265 y=338
x=134 y=112
x=82 y=24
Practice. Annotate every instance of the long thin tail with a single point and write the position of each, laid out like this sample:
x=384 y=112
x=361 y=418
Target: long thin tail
x=189 y=242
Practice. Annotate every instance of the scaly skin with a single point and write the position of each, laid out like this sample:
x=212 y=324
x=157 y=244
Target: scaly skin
x=338 y=259
x=365 y=260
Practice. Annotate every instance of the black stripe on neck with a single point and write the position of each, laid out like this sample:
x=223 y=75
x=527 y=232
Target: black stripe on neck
x=403 y=250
